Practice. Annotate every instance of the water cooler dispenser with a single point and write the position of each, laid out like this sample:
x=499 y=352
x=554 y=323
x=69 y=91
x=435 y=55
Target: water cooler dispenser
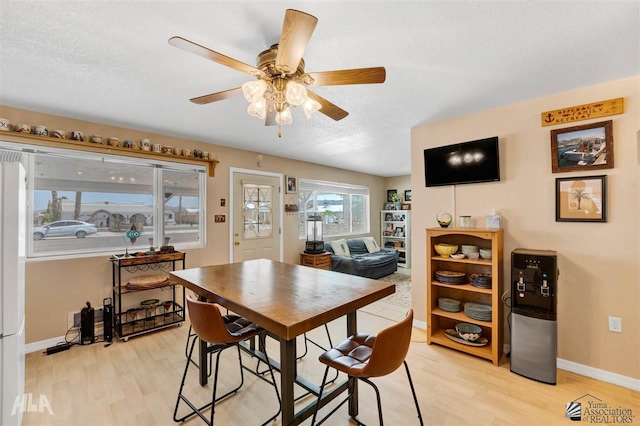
x=534 y=327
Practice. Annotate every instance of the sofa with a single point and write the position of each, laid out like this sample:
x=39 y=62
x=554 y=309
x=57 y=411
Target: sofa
x=361 y=261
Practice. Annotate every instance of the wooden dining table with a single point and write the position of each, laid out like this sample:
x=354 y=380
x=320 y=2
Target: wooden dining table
x=287 y=300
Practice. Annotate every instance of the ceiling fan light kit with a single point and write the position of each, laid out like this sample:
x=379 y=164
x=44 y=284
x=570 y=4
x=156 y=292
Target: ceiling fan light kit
x=280 y=77
x=284 y=117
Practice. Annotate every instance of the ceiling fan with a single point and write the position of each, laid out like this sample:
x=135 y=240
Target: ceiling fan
x=281 y=81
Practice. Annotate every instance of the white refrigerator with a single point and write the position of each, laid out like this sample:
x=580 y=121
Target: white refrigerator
x=12 y=258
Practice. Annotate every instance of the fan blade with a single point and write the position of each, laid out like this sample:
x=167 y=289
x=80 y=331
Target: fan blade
x=214 y=56
x=214 y=97
x=330 y=110
x=296 y=32
x=353 y=76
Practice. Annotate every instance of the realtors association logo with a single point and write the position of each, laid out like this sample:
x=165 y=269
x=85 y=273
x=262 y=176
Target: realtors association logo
x=590 y=409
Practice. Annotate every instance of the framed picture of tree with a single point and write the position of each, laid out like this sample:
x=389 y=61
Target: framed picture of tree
x=581 y=199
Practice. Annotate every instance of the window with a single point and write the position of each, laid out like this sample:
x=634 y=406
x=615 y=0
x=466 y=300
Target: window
x=257 y=211
x=182 y=210
x=84 y=202
x=344 y=208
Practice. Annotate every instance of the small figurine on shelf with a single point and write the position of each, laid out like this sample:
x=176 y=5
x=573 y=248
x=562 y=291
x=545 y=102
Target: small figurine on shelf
x=132 y=234
x=166 y=248
x=152 y=249
x=443 y=218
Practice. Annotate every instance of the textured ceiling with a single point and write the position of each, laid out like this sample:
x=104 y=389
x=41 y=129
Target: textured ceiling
x=109 y=62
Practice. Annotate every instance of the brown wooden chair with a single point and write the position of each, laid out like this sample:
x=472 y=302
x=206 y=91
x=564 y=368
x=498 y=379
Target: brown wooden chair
x=365 y=356
x=220 y=332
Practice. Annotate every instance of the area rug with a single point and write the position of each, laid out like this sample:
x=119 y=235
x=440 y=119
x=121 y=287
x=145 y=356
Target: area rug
x=402 y=296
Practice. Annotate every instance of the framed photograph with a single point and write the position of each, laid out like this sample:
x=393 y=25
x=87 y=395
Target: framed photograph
x=292 y=185
x=389 y=206
x=390 y=194
x=407 y=195
x=585 y=147
x=405 y=206
x=581 y=199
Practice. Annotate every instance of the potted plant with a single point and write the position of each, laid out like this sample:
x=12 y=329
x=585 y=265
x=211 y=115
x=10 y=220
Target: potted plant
x=397 y=199
x=328 y=216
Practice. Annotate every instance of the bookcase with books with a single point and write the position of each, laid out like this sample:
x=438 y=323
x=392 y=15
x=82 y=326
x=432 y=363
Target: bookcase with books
x=395 y=229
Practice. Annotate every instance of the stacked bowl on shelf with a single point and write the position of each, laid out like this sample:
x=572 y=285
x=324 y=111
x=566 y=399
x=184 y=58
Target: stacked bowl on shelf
x=485 y=254
x=451 y=277
x=480 y=280
x=470 y=251
x=449 y=305
x=478 y=311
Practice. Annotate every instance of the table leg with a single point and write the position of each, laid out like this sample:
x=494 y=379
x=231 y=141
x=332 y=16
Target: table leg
x=202 y=361
x=287 y=379
x=352 y=329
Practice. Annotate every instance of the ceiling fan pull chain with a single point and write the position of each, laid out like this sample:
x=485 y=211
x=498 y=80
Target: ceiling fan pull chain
x=279 y=131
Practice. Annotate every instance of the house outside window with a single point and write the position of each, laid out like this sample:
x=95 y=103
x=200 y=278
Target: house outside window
x=83 y=203
x=344 y=207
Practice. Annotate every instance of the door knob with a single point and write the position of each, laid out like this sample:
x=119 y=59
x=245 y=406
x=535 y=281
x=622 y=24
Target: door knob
x=235 y=235
x=237 y=243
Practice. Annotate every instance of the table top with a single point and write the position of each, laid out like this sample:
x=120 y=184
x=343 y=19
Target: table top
x=287 y=300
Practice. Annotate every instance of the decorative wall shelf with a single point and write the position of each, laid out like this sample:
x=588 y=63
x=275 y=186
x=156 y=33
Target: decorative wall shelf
x=105 y=149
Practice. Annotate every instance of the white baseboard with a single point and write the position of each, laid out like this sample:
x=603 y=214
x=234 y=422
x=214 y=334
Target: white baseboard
x=574 y=367
x=563 y=364
x=42 y=344
x=598 y=374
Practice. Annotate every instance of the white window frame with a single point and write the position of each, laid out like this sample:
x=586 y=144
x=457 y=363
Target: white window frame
x=28 y=154
x=337 y=188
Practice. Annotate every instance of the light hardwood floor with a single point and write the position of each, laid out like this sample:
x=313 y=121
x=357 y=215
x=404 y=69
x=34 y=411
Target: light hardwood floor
x=135 y=383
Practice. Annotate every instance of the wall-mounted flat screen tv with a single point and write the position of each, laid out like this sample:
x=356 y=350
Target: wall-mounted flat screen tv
x=466 y=162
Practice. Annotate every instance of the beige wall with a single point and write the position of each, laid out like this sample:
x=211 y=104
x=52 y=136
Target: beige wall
x=598 y=262
x=56 y=287
x=400 y=184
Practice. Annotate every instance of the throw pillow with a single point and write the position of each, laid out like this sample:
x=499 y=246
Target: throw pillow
x=372 y=245
x=340 y=247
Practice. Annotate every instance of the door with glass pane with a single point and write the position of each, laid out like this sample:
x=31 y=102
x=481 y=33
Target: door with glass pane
x=256 y=217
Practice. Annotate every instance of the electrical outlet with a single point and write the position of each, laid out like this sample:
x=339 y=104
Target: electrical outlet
x=615 y=324
x=73 y=318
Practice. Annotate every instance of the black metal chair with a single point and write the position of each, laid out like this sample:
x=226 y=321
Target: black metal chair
x=220 y=332
x=365 y=356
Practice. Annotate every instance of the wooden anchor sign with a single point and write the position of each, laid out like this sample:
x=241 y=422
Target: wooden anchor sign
x=582 y=112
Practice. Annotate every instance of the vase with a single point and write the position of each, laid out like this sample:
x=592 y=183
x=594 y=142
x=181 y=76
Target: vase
x=397 y=205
